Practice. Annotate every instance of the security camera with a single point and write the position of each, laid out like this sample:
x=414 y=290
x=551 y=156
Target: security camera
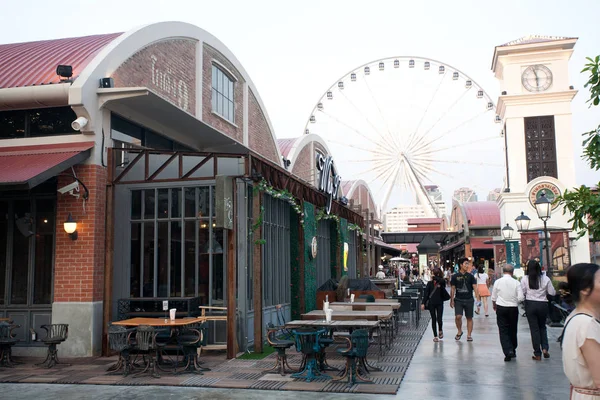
x=69 y=188
x=79 y=123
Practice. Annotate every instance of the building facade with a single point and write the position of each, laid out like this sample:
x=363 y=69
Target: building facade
x=464 y=195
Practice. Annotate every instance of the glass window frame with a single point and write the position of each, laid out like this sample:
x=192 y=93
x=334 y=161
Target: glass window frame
x=223 y=93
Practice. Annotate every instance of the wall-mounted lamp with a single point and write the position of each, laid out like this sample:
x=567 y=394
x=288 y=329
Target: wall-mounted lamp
x=71 y=227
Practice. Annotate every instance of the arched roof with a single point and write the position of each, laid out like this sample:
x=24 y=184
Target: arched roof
x=285 y=145
x=300 y=142
x=350 y=187
x=481 y=213
x=34 y=63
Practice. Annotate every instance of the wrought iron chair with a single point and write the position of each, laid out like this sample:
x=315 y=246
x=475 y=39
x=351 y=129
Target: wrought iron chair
x=7 y=341
x=119 y=339
x=280 y=346
x=191 y=338
x=55 y=335
x=307 y=342
x=369 y=298
x=145 y=344
x=355 y=354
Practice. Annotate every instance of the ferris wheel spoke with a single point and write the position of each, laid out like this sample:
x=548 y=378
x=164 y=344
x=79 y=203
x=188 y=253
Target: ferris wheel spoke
x=390 y=188
x=457 y=145
x=381 y=167
x=339 y=121
x=458 y=162
x=446 y=112
x=414 y=134
x=352 y=146
x=427 y=143
x=390 y=136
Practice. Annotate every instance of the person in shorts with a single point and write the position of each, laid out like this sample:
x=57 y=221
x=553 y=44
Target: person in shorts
x=461 y=298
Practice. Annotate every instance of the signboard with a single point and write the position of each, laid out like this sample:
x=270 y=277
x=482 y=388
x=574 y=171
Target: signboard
x=513 y=255
x=329 y=180
x=550 y=190
x=530 y=246
x=224 y=202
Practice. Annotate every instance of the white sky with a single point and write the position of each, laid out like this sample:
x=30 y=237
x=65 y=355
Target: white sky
x=294 y=51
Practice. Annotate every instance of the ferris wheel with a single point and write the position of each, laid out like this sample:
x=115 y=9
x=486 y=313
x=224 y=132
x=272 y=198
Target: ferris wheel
x=403 y=123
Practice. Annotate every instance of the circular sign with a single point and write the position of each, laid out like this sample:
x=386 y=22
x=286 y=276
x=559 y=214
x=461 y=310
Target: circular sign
x=550 y=190
x=313 y=247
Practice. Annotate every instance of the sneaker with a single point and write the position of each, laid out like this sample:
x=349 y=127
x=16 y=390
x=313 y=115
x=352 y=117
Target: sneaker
x=507 y=358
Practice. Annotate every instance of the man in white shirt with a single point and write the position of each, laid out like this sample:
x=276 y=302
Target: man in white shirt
x=506 y=296
x=380 y=274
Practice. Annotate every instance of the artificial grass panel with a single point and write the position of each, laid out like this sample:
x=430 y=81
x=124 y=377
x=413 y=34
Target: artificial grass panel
x=267 y=350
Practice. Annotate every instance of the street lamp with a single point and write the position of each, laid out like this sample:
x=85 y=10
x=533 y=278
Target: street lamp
x=507 y=232
x=522 y=222
x=543 y=207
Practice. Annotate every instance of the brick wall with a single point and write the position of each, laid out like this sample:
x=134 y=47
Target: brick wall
x=259 y=134
x=302 y=164
x=235 y=130
x=79 y=264
x=168 y=68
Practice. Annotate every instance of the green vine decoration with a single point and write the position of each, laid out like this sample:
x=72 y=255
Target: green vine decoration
x=321 y=214
x=284 y=195
x=257 y=225
x=355 y=227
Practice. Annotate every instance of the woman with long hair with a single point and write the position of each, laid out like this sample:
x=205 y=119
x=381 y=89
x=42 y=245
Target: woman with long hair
x=432 y=296
x=483 y=286
x=581 y=335
x=536 y=288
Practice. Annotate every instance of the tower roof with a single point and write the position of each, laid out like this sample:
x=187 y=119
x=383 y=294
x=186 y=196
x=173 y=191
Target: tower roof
x=535 y=39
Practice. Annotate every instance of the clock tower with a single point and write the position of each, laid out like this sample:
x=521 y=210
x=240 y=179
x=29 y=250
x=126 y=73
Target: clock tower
x=535 y=108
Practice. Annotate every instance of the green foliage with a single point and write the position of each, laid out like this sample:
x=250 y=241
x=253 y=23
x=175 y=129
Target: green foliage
x=582 y=202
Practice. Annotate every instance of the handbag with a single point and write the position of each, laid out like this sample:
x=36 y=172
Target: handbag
x=445 y=295
x=429 y=298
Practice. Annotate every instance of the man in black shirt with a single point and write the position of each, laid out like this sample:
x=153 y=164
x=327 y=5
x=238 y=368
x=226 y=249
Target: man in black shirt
x=461 y=297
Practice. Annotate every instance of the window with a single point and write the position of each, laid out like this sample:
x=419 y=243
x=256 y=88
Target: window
x=540 y=147
x=37 y=122
x=222 y=94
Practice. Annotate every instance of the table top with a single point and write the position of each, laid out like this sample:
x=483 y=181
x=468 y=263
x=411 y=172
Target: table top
x=158 y=321
x=350 y=315
x=393 y=304
x=333 y=324
x=4 y=319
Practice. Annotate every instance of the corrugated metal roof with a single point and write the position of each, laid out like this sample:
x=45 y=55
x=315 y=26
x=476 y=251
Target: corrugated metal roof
x=416 y=221
x=34 y=63
x=482 y=213
x=285 y=145
x=19 y=165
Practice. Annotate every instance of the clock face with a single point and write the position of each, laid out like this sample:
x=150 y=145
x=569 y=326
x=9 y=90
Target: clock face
x=536 y=78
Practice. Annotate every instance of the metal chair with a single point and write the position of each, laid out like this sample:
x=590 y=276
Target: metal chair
x=55 y=335
x=307 y=342
x=191 y=338
x=7 y=341
x=145 y=344
x=280 y=346
x=355 y=354
x=119 y=340
x=369 y=298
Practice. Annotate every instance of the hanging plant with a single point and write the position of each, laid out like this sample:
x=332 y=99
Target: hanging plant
x=355 y=227
x=284 y=195
x=257 y=225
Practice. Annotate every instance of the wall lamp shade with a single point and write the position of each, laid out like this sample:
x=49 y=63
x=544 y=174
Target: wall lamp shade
x=507 y=232
x=70 y=226
x=543 y=206
x=522 y=222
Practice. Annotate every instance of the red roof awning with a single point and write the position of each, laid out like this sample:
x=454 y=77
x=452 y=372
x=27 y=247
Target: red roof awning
x=24 y=167
x=479 y=244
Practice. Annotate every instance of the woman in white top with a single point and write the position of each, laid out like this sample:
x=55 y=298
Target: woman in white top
x=581 y=336
x=535 y=288
x=483 y=288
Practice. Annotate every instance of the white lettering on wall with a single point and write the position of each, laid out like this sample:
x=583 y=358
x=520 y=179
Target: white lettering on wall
x=167 y=84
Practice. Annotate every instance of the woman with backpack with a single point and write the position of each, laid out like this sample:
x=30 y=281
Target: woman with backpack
x=433 y=300
x=581 y=335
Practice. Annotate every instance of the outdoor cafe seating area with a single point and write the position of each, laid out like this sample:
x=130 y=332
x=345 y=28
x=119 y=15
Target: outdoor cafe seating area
x=360 y=344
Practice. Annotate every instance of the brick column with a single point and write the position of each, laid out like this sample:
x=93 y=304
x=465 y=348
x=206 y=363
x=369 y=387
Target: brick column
x=79 y=264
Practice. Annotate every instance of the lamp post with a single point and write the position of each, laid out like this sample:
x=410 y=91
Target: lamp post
x=507 y=232
x=543 y=207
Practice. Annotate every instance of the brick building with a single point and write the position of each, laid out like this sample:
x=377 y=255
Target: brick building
x=152 y=141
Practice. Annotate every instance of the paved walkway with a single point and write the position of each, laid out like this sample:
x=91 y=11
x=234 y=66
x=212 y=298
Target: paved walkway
x=446 y=370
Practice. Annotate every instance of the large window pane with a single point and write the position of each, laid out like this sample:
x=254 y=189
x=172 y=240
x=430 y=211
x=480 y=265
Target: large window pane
x=163 y=203
x=44 y=252
x=3 y=247
x=12 y=124
x=148 y=254
x=163 y=259
x=135 y=260
x=136 y=204
x=149 y=204
x=51 y=121
x=190 y=260
x=175 y=203
x=20 y=256
x=190 y=202
x=203 y=202
x=218 y=276
x=203 y=262
x=176 y=227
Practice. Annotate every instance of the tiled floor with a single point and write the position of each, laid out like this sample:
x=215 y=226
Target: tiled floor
x=236 y=374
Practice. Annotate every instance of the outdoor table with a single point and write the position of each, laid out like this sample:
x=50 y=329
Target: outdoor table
x=363 y=306
x=350 y=315
x=161 y=322
x=4 y=319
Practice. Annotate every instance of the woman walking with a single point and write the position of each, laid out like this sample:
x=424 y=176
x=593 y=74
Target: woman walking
x=535 y=288
x=483 y=286
x=433 y=300
x=581 y=335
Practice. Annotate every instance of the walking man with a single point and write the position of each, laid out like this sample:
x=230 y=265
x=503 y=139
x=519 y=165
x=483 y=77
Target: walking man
x=506 y=296
x=461 y=298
